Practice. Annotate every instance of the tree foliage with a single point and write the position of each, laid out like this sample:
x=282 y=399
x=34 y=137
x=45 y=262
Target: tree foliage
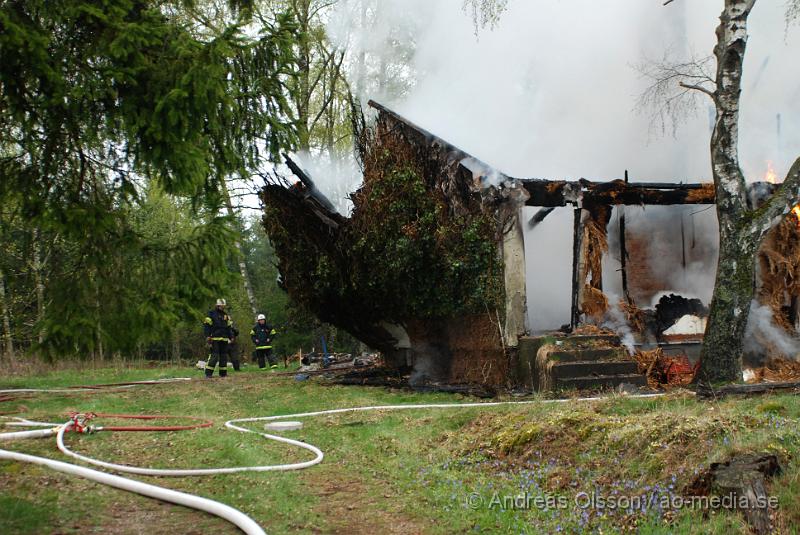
x=403 y=254
x=484 y=12
x=117 y=124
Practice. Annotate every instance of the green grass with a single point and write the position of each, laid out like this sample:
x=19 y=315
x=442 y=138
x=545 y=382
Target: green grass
x=409 y=471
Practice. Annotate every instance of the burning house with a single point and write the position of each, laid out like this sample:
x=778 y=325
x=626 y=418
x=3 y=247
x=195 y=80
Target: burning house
x=430 y=267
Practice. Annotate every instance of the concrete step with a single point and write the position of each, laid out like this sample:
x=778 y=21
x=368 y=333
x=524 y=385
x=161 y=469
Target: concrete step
x=602 y=381
x=576 y=355
x=587 y=368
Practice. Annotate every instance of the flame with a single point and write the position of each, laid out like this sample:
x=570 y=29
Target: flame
x=770 y=176
x=796 y=213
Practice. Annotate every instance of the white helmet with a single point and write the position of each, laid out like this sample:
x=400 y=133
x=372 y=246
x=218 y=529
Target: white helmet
x=221 y=302
x=261 y=317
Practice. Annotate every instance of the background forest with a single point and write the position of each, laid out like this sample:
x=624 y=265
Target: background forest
x=134 y=136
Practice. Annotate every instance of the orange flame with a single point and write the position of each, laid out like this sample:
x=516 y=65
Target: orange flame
x=770 y=176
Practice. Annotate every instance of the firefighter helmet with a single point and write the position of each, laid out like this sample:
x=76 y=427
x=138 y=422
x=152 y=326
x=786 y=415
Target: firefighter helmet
x=221 y=302
x=261 y=317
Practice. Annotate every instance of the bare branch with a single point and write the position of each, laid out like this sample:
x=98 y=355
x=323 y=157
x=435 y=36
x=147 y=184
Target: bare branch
x=675 y=89
x=697 y=88
x=335 y=76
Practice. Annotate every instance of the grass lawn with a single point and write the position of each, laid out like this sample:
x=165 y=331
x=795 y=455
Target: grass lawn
x=412 y=471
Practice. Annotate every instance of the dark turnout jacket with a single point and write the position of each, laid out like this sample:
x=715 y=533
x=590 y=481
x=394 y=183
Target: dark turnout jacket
x=217 y=325
x=262 y=335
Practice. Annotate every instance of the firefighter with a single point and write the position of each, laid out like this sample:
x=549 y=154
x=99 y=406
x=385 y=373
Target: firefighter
x=233 y=347
x=262 y=334
x=217 y=328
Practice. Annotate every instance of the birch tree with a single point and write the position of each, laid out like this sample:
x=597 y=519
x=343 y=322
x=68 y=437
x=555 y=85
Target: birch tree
x=8 y=342
x=741 y=226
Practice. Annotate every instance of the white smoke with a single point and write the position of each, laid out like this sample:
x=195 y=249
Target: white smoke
x=616 y=321
x=336 y=178
x=763 y=335
x=682 y=247
x=551 y=91
x=548 y=263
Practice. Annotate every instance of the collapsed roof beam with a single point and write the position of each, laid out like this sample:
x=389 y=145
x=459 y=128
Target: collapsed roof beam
x=554 y=193
x=469 y=166
x=562 y=192
x=309 y=193
x=539 y=216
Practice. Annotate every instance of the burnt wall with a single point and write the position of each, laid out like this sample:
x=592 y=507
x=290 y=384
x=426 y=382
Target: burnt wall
x=460 y=350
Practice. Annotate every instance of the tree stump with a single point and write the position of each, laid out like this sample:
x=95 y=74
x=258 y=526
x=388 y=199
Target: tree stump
x=740 y=481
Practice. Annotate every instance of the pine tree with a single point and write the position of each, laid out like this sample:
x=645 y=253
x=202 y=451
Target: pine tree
x=103 y=104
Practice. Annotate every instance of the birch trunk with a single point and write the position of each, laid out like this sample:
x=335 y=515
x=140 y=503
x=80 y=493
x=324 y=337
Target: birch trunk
x=248 y=287
x=302 y=9
x=38 y=267
x=734 y=288
x=741 y=228
x=9 y=342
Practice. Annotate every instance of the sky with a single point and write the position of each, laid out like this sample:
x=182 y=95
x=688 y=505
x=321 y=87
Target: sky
x=551 y=91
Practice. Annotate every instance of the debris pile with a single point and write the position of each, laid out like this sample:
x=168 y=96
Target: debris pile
x=647 y=361
x=776 y=370
x=779 y=263
x=336 y=362
x=634 y=316
x=664 y=370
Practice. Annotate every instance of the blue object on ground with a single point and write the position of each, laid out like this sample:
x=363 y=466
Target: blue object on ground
x=301 y=377
x=325 y=360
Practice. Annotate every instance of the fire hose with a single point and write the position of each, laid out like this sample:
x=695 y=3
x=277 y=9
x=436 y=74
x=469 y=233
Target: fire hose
x=88 y=388
x=239 y=519
x=78 y=423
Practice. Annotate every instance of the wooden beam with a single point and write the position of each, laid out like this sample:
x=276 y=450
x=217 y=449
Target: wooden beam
x=705 y=391
x=623 y=252
x=577 y=283
x=539 y=216
x=311 y=189
x=617 y=192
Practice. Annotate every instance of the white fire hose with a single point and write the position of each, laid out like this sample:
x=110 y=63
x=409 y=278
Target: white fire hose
x=245 y=523
x=239 y=519
x=37 y=433
x=130 y=384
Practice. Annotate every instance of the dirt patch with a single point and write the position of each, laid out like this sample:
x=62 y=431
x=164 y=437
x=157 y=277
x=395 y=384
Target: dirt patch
x=150 y=516
x=351 y=506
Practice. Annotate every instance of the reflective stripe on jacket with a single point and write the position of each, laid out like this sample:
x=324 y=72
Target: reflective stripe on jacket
x=217 y=325
x=262 y=335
